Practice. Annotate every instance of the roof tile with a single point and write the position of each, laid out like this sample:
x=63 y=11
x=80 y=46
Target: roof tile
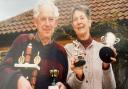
x=115 y=9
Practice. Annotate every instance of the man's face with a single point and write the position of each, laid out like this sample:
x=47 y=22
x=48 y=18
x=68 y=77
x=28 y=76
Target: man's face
x=45 y=23
x=81 y=23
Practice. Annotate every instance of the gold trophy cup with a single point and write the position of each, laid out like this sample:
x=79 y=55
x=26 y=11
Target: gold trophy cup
x=54 y=74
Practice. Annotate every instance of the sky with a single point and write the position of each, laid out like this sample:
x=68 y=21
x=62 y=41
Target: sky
x=11 y=8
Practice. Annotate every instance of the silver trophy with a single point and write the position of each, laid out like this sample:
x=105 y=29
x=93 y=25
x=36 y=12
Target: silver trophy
x=106 y=53
x=79 y=54
x=109 y=39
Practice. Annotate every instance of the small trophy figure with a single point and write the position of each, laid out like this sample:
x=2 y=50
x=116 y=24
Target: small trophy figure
x=80 y=58
x=54 y=74
x=106 y=53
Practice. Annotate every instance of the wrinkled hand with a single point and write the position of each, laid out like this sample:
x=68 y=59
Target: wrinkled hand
x=23 y=83
x=60 y=85
x=114 y=58
x=77 y=70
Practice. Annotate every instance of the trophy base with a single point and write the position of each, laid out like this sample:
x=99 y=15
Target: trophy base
x=53 y=87
x=80 y=63
x=26 y=65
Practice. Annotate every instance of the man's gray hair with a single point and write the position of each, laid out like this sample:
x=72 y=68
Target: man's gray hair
x=46 y=4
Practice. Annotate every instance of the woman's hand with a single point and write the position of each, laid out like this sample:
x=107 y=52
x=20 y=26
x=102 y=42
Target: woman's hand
x=77 y=70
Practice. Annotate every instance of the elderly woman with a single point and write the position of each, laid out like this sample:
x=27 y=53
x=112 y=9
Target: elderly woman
x=95 y=74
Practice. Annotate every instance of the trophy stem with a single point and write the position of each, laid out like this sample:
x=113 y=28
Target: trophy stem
x=54 y=74
x=54 y=82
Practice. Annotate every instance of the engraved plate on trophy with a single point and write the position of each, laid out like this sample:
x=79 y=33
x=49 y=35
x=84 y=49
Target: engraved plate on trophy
x=53 y=74
x=80 y=58
x=106 y=52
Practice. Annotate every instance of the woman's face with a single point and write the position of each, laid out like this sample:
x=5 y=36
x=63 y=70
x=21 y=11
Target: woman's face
x=81 y=23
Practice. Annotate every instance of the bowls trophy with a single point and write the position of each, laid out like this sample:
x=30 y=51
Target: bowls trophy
x=106 y=53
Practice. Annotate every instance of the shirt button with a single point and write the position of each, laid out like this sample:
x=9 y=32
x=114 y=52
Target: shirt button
x=86 y=81
x=85 y=66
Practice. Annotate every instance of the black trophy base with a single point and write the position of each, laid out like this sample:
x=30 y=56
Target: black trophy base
x=105 y=54
x=80 y=63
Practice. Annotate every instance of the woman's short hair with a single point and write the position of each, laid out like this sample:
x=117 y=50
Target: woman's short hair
x=83 y=8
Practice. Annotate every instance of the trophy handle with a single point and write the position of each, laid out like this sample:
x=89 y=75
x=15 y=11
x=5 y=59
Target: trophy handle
x=117 y=40
x=102 y=38
x=21 y=59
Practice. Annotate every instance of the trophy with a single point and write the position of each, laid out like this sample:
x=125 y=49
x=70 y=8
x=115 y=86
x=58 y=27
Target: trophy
x=106 y=53
x=80 y=58
x=24 y=61
x=54 y=74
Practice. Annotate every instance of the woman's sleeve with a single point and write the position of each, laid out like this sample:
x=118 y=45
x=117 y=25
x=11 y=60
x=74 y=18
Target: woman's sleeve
x=109 y=79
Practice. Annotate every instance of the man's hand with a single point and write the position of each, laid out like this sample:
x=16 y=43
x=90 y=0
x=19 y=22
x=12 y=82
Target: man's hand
x=23 y=83
x=60 y=85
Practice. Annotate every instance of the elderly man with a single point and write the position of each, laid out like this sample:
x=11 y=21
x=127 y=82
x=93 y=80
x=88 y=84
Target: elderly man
x=52 y=55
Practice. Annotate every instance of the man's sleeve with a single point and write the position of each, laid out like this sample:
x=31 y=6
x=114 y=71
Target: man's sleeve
x=8 y=77
x=15 y=48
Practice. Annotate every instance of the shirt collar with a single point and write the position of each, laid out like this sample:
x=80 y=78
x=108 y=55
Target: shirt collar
x=86 y=43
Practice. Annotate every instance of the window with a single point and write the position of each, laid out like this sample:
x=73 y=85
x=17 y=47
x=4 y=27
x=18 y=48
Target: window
x=2 y=55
